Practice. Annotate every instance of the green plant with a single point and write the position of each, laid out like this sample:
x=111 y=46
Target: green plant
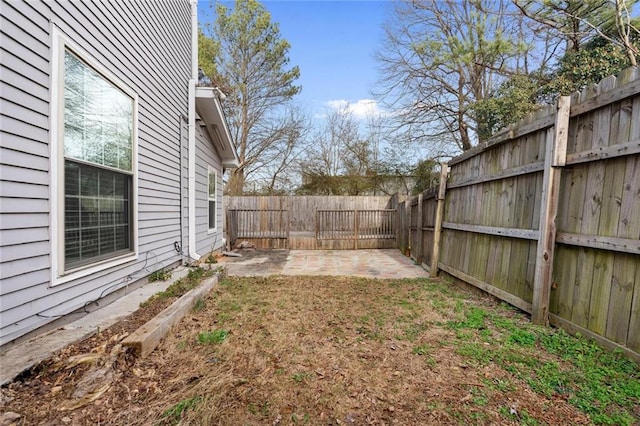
x=474 y=319
x=299 y=377
x=260 y=409
x=213 y=336
x=200 y=305
x=522 y=337
x=603 y=385
x=174 y=414
x=300 y=421
x=159 y=275
x=421 y=350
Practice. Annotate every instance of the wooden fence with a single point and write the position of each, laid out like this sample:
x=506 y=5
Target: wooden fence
x=546 y=215
x=312 y=222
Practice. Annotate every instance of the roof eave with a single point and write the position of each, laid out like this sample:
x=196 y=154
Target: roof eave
x=209 y=109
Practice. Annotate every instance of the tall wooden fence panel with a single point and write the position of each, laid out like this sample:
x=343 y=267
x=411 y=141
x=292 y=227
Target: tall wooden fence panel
x=500 y=193
x=347 y=221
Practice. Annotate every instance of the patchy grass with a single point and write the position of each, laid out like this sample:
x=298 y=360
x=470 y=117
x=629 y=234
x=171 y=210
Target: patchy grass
x=213 y=337
x=603 y=385
x=173 y=415
x=327 y=350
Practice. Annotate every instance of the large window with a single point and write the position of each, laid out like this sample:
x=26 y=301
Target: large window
x=98 y=147
x=212 y=198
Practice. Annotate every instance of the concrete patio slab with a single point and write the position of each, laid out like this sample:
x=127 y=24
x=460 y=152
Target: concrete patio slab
x=376 y=263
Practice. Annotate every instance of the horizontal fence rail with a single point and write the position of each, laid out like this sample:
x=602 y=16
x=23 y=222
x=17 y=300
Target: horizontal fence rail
x=313 y=222
x=356 y=224
x=254 y=223
x=544 y=215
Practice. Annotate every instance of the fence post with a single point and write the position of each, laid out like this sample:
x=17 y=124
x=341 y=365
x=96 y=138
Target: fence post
x=554 y=160
x=437 y=228
x=419 y=237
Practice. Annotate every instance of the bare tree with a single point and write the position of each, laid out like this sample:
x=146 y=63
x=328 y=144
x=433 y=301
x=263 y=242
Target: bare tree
x=440 y=57
x=284 y=141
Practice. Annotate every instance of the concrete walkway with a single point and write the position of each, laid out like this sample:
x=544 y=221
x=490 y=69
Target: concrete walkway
x=358 y=263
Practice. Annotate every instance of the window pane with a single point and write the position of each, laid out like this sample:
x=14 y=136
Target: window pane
x=97 y=213
x=98 y=117
x=212 y=214
x=212 y=185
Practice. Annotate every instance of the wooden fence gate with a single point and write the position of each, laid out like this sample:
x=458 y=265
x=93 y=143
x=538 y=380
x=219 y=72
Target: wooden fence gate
x=313 y=223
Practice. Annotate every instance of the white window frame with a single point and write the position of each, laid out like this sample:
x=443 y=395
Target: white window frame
x=59 y=275
x=211 y=170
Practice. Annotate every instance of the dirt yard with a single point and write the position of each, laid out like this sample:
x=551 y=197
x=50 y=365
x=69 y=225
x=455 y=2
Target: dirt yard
x=318 y=351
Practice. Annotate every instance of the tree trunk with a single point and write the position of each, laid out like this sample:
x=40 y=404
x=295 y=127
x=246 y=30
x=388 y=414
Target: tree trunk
x=235 y=186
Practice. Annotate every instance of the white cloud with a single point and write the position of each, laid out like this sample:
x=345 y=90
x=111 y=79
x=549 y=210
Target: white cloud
x=360 y=109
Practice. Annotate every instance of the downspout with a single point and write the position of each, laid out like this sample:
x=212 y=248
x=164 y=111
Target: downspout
x=193 y=254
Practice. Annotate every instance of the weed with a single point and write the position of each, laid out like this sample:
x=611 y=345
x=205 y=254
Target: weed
x=522 y=337
x=412 y=332
x=499 y=385
x=178 y=288
x=479 y=417
x=174 y=414
x=260 y=409
x=160 y=275
x=229 y=305
x=480 y=401
x=212 y=337
x=474 y=320
x=183 y=285
x=421 y=350
x=299 y=377
x=370 y=334
x=200 y=305
x=300 y=421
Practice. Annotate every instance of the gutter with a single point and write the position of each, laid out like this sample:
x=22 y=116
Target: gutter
x=193 y=254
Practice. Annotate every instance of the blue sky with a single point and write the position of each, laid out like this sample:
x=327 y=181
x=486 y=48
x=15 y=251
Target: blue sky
x=333 y=43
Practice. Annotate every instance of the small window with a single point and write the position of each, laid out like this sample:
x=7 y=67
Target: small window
x=212 y=198
x=98 y=144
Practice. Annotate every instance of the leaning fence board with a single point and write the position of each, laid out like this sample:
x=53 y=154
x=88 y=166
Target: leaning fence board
x=620 y=245
x=526 y=234
x=515 y=301
x=602 y=341
x=606 y=98
x=614 y=151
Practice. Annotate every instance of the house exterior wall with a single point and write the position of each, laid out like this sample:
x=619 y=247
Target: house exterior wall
x=147 y=46
x=206 y=157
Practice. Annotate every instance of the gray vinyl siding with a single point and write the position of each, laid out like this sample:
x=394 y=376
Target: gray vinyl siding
x=206 y=156
x=146 y=45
